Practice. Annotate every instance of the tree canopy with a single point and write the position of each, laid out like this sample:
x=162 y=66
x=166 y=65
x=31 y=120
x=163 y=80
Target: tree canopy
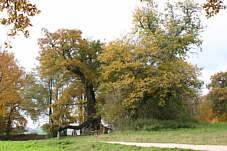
x=74 y=60
x=11 y=101
x=147 y=72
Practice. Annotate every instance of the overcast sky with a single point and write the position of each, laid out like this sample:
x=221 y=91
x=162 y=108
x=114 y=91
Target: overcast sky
x=213 y=57
x=109 y=19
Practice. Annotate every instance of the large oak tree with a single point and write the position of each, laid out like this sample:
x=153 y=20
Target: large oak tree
x=66 y=52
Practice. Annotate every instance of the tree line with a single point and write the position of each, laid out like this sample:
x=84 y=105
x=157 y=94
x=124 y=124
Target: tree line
x=144 y=75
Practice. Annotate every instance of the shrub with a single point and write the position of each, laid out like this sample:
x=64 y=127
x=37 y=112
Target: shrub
x=51 y=130
x=153 y=124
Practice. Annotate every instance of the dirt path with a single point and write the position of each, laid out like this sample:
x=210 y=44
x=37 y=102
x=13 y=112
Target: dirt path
x=183 y=146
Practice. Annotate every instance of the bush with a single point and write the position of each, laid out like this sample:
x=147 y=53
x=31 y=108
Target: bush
x=51 y=130
x=153 y=125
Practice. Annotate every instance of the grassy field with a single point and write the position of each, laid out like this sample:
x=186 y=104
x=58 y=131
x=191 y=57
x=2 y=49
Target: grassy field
x=212 y=134
x=66 y=144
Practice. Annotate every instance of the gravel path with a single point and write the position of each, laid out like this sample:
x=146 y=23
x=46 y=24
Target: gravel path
x=184 y=146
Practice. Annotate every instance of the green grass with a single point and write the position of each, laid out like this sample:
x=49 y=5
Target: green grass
x=210 y=134
x=26 y=146
x=69 y=144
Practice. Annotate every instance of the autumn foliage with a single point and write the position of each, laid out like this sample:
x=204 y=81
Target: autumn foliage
x=143 y=75
x=213 y=7
x=11 y=101
x=78 y=82
x=218 y=96
x=18 y=15
x=146 y=73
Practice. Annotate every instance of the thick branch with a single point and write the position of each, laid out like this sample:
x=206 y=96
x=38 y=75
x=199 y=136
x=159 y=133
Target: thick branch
x=84 y=124
x=75 y=70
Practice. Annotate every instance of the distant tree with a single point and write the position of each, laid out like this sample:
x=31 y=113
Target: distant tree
x=50 y=74
x=53 y=79
x=36 y=94
x=204 y=110
x=218 y=95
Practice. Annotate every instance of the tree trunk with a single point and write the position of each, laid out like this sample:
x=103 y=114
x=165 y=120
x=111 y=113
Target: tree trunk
x=90 y=95
x=90 y=109
x=89 y=91
x=50 y=84
x=8 y=126
x=91 y=121
x=87 y=123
